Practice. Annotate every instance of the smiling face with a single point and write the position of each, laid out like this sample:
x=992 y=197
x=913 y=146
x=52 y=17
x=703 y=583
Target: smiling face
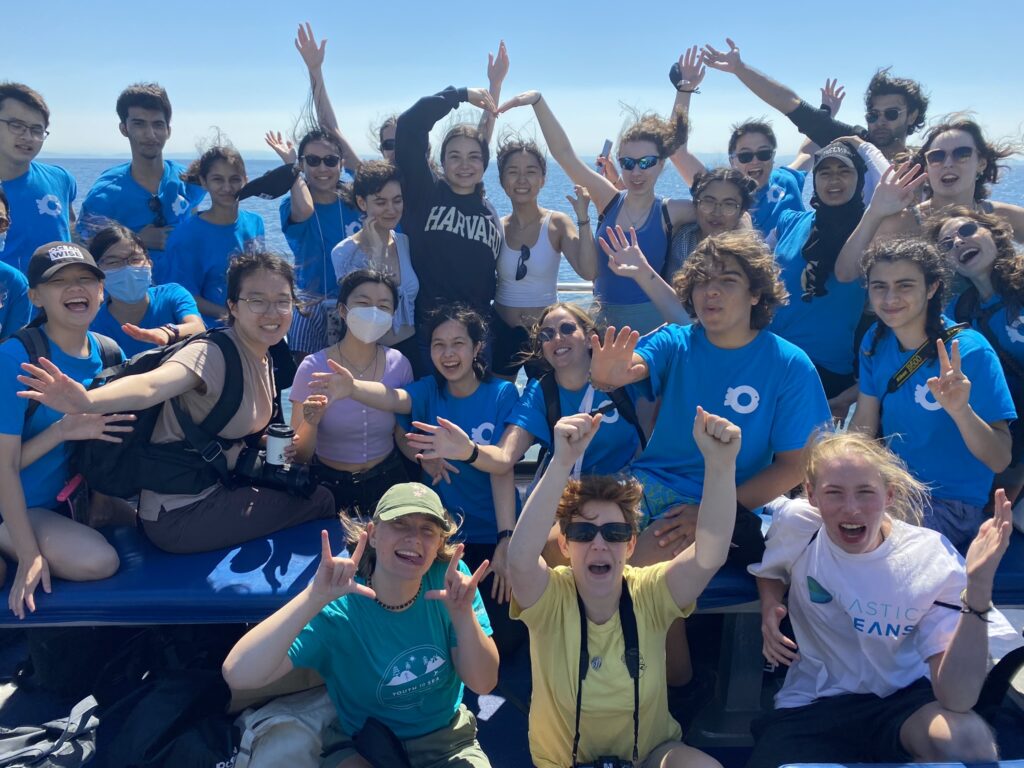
x=597 y=565
x=719 y=208
x=223 y=181
x=20 y=150
x=640 y=180
x=723 y=303
x=71 y=298
x=368 y=294
x=321 y=179
x=463 y=164
x=758 y=170
x=884 y=132
x=834 y=182
x=522 y=177
x=852 y=497
x=564 y=351
x=971 y=255
x=267 y=328
x=452 y=351
x=147 y=131
x=899 y=295
x=407 y=546
x=953 y=177
x=384 y=206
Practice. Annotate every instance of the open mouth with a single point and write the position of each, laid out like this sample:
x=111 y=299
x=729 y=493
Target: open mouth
x=967 y=255
x=77 y=305
x=852 y=533
x=599 y=569
x=949 y=178
x=270 y=327
x=450 y=366
x=561 y=351
x=409 y=556
x=756 y=174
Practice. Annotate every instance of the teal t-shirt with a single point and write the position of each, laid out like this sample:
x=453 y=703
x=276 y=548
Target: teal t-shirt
x=394 y=666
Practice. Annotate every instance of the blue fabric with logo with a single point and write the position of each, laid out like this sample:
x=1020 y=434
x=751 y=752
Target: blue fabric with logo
x=312 y=240
x=768 y=388
x=168 y=303
x=783 y=192
x=40 y=202
x=117 y=197
x=15 y=307
x=483 y=416
x=823 y=327
x=919 y=431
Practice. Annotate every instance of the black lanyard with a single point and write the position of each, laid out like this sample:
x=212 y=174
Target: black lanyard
x=627 y=618
x=916 y=360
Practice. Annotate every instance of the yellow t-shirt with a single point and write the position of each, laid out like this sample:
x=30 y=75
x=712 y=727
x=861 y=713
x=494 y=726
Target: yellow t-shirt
x=606 y=722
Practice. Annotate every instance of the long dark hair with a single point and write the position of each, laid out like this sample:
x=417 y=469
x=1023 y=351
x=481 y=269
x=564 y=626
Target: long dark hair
x=475 y=326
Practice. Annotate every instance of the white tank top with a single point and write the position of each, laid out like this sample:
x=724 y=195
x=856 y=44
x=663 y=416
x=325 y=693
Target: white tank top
x=538 y=288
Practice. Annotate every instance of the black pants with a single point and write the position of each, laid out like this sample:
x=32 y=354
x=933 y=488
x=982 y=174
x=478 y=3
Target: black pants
x=509 y=634
x=357 y=493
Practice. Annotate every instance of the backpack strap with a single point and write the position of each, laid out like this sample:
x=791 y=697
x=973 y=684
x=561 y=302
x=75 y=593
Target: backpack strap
x=552 y=404
x=604 y=213
x=37 y=345
x=627 y=409
x=111 y=355
x=666 y=220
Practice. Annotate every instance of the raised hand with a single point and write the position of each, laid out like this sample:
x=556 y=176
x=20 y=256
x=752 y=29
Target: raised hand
x=572 y=435
x=611 y=363
x=335 y=576
x=283 y=147
x=951 y=388
x=728 y=61
x=438 y=469
x=580 y=203
x=305 y=44
x=524 y=99
x=337 y=385
x=607 y=168
x=313 y=409
x=832 y=96
x=717 y=438
x=897 y=189
x=373 y=244
x=481 y=97
x=691 y=68
x=47 y=385
x=158 y=336
x=497 y=65
x=95 y=426
x=445 y=440
x=459 y=589
x=624 y=255
x=988 y=547
x=777 y=648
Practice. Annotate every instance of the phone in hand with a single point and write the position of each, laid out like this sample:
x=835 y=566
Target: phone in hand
x=605 y=152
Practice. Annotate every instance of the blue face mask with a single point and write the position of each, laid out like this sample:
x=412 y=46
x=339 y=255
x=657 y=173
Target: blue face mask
x=129 y=284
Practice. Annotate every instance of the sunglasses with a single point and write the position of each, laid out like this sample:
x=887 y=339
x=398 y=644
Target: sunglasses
x=889 y=113
x=965 y=230
x=748 y=155
x=388 y=145
x=5 y=223
x=938 y=156
x=613 y=533
x=546 y=334
x=643 y=163
x=157 y=208
x=524 y=256
x=313 y=161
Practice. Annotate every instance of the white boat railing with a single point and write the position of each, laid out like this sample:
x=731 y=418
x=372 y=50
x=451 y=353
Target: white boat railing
x=581 y=287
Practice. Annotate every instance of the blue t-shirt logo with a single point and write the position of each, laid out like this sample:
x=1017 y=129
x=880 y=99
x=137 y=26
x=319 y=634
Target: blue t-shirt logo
x=180 y=205
x=1013 y=330
x=742 y=399
x=49 y=205
x=477 y=434
x=923 y=397
x=775 y=193
x=414 y=673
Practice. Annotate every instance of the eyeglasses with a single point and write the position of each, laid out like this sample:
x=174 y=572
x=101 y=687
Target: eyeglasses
x=747 y=155
x=5 y=223
x=112 y=263
x=156 y=206
x=18 y=128
x=388 y=145
x=938 y=156
x=524 y=256
x=965 y=230
x=643 y=163
x=313 y=161
x=546 y=334
x=889 y=113
x=613 y=533
x=710 y=205
x=263 y=306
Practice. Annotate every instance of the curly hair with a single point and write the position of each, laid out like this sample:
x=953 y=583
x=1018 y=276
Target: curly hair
x=884 y=84
x=909 y=495
x=935 y=271
x=622 y=491
x=752 y=126
x=744 y=184
x=753 y=257
x=666 y=135
x=370 y=179
x=990 y=152
x=1007 y=269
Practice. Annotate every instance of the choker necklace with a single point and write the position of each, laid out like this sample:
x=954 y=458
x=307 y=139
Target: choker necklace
x=395 y=608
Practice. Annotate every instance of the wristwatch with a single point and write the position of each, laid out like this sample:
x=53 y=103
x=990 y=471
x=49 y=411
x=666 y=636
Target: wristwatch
x=502 y=535
x=474 y=455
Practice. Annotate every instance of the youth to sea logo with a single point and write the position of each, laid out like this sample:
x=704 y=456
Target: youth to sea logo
x=411 y=676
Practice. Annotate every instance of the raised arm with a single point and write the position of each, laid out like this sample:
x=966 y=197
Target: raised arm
x=615 y=363
x=690 y=571
x=687 y=75
x=577 y=244
x=601 y=190
x=626 y=259
x=497 y=70
x=339 y=384
x=447 y=440
x=306 y=418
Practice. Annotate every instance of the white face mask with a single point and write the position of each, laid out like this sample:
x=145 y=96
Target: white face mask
x=368 y=323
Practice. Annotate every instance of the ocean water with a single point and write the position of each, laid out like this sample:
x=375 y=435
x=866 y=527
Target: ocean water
x=87 y=170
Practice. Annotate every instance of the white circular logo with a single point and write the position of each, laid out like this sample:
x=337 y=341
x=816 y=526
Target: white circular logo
x=923 y=397
x=179 y=206
x=609 y=417
x=477 y=434
x=49 y=205
x=742 y=399
x=775 y=193
x=1013 y=330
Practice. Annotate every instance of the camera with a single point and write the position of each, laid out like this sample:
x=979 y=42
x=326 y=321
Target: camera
x=607 y=762
x=294 y=479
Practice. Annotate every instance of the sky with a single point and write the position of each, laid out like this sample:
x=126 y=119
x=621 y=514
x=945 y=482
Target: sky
x=233 y=65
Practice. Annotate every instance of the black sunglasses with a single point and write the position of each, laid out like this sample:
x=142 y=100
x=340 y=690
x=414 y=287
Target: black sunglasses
x=938 y=156
x=546 y=334
x=331 y=161
x=889 y=113
x=643 y=163
x=965 y=230
x=524 y=256
x=747 y=155
x=388 y=145
x=613 y=533
x=157 y=207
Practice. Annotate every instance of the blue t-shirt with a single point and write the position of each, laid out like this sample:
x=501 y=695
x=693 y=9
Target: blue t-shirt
x=483 y=416
x=614 y=445
x=117 y=197
x=313 y=240
x=168 y=303
x=395 y=666
x=783 y=192
x=40 y=201
x=824 y=327
x=43 y=479
x=768 y=388
x=15 y=308
x=199 y=254
x=918 y=429
x=1007 y=330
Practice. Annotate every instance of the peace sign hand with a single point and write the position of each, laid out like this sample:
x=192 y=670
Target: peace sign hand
x=459 y=589
x=951 y=388
x=335 y=576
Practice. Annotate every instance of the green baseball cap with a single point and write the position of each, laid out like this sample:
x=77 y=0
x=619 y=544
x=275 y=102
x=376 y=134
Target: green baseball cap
x=411 y=499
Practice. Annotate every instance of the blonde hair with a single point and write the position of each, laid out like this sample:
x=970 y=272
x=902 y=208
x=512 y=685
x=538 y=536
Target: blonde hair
x=354 y=528
x=909 y=495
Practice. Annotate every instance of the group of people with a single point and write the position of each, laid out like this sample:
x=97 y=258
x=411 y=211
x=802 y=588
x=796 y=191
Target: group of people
x=729 y=331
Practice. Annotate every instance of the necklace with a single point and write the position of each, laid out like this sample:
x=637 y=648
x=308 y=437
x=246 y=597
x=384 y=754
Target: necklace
x=395 y=608
x=356 y=372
